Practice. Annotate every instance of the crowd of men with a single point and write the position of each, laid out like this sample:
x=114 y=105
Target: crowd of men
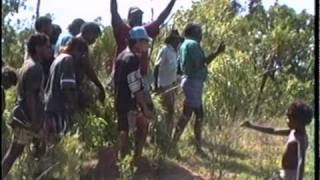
x=49 y=83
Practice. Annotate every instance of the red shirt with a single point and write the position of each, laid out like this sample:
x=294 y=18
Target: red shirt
x=121 y=34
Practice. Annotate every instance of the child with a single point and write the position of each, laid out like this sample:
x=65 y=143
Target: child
x=61 y=100
x=9 y=79
x=129 y=93
x=166 y=75
x=299 y=115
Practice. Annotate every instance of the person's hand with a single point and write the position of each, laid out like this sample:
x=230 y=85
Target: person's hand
x=101 y=95
x=246 y=124
x=221 y=48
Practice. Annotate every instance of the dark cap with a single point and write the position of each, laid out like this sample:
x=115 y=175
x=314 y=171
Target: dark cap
x=134 y=10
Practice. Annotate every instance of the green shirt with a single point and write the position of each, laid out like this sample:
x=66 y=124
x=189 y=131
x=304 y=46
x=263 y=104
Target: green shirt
x=192 y=60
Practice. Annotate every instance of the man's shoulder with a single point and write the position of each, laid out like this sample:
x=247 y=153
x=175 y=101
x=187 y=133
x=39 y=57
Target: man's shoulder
x=126 y=56
x=62 y=59
x=29 y=66
x=190 y=43
x=166 y=48
x=66 y=35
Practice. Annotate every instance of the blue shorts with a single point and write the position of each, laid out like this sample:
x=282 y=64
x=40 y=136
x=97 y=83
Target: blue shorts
x=192 y=89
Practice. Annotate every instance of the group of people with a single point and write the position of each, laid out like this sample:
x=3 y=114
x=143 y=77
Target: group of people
x=49 y=85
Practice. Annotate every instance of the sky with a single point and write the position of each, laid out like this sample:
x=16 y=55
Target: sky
x=64 y=11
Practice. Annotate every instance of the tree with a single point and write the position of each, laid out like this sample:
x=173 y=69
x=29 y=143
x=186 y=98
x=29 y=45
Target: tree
x=269 y=56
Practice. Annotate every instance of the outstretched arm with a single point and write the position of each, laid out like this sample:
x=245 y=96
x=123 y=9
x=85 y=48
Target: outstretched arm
x=268 y=130
x=165 y=13
x=115 y=17
x=213 y=55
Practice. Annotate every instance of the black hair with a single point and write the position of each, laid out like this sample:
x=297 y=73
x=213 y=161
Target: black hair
x=174 y=35
x=34 y=41
x=132 y=42
x=75 y=26
x=77 y=44
x=56 y=28
x=90 y=27
x=41 y=22
x=191 y=30
x=9 y=76
x=56 y=31
x=301 y=112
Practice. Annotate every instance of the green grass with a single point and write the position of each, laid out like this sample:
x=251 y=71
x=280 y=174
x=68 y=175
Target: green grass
x=238 y=153
x=232 y=152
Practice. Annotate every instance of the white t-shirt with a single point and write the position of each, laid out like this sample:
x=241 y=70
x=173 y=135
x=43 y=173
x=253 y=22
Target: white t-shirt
x=167 y=61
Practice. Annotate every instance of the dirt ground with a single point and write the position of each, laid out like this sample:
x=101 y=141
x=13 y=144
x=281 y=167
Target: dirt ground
x=105 y=168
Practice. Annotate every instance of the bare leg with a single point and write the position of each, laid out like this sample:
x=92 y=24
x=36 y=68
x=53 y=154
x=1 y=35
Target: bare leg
x=183 y=121
x=15 y=150
x=141 y=136
x=123 y=143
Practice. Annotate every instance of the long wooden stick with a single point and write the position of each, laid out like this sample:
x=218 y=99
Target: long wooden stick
x=47 y=171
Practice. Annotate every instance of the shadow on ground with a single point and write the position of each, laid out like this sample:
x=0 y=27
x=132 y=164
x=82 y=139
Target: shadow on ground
x=105 y=168
x=221 y=157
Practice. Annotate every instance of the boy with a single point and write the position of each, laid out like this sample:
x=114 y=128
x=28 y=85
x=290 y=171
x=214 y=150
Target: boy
x=299 y=115
x=64 y=38
x=9 y=79
x=28 y=114
x=43 y=25
x=129 y=97
x=121 y=31
x=89 y=32
x=61 y=99
x=166 y=75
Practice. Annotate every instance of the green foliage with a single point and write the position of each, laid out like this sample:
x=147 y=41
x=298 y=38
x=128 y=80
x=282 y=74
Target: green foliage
x=103 y=52
x=67 y=156
x=13 y=41
x=127 y=170
x=245 y=75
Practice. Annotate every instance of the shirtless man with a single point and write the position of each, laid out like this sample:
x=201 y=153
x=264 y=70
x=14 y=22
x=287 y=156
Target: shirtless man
x=28 y=115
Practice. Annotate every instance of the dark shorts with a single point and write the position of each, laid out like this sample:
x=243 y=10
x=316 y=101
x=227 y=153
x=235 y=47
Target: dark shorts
x=192 y=89
x=124 y=118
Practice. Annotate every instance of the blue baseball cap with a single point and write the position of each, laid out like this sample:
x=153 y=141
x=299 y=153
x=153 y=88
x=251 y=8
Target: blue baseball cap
x=139 y=32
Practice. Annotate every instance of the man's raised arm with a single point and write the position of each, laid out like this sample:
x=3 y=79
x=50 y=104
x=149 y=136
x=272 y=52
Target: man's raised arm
x=165 y=13
x=115 y=17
